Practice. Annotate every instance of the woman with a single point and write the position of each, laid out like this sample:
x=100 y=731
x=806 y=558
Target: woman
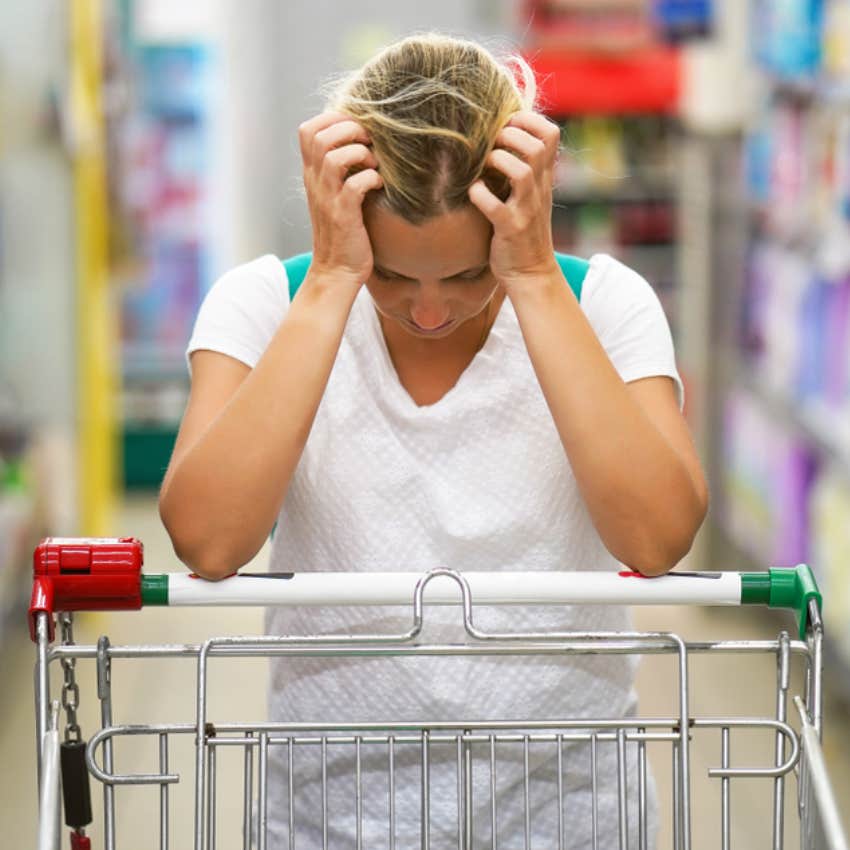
x=438 y=393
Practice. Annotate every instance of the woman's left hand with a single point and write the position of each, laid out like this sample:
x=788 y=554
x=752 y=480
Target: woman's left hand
x=526 y=151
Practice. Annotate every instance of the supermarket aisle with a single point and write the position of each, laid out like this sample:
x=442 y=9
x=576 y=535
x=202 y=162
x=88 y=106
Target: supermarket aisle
x=166 y=696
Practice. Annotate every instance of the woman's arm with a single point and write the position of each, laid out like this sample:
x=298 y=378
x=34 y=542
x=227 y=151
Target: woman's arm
x=628 y=445
x=243 y=431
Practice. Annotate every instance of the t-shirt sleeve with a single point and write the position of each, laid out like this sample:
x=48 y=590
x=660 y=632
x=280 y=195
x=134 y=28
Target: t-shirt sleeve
x=629 y=320
x=242 y=311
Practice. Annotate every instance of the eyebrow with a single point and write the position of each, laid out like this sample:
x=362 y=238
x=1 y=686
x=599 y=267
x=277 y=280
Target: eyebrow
x=477 y=268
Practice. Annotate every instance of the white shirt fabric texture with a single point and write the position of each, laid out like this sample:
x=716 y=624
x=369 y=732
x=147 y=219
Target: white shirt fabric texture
x=479 y=480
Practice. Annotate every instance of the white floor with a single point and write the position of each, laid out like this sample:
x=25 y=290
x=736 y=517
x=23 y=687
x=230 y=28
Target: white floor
x=740 y=686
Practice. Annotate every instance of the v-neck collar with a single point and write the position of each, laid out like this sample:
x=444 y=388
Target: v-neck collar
x=393 y=382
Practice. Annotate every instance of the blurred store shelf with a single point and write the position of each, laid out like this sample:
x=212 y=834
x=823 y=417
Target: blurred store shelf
x=782 y=466
x=815 y=421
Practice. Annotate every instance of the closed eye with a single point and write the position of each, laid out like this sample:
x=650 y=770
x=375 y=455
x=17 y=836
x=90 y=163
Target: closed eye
x=474 y=276
x=384 y=275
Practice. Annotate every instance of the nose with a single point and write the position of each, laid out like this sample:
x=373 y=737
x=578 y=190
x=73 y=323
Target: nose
x=429 y=308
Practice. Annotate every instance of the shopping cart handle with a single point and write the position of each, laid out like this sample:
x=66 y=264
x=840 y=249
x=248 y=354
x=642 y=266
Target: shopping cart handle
x=100 y=574
x=778 y=587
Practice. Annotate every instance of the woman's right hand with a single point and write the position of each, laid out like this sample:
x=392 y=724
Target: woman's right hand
x=331 y=144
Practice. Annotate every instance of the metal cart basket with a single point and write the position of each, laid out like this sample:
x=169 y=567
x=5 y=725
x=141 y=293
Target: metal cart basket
x=106 y=574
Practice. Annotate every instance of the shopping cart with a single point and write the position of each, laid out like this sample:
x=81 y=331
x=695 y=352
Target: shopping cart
x=105 y=574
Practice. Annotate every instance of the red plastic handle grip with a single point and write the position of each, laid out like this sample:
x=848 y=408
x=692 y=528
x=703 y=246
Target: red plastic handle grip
x=86 y=574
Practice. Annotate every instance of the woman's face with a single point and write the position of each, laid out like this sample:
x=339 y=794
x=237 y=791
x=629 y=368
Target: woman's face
x=433 y=277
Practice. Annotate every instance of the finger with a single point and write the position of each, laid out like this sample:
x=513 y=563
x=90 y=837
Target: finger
x=519 y=173
x=338 y=161
x=540 y=127
x=527 y=147
x=536 y=124
x=308 y=130
x=338 y=134
x=362 y=182
x=333 y=138
x=487 y=202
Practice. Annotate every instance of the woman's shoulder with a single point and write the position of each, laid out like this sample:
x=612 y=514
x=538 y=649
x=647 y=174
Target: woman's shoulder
x=603 y=265
x=600 y=272
x=629 y=319
x=242 y=310
x=619 y=301
x=610 y=282
x=265 y=274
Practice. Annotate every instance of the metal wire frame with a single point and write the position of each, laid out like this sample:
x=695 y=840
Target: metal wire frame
x=261 y=737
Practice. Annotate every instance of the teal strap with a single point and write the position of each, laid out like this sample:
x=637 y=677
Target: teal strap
x=574 y=269
x=296 y=270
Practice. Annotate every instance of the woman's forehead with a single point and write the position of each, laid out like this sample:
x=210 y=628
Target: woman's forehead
x=457 y=240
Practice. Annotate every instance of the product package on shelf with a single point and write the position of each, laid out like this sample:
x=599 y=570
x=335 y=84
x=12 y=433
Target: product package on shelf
x=612 y=27
x=608 y=58
x=829 y=508
x=770 y=334
x=167 y=185
x=768 y=472
x=615 y=193
x=794 y=346
x=617 y=155
x=788 y=36
x=679 y=20
x=836 y=48
x=165 y=189
x=777 y=171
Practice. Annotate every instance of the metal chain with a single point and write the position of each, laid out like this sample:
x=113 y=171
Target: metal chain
x=70 y=689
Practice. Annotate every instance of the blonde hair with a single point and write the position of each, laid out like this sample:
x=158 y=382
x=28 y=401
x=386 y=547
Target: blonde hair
x=433 y=105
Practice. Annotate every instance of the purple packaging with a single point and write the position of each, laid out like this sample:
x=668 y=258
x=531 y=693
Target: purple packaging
x=795 y=473
x=768 y=475
x=812 y=335
x=837 y=344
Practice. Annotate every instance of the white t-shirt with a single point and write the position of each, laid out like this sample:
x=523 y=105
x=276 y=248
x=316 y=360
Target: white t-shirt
x=476 y=481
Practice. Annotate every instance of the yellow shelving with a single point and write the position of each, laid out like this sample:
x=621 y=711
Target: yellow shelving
x=97 y=361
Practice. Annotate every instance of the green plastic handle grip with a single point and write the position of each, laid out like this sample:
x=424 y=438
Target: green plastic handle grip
x=783 y=587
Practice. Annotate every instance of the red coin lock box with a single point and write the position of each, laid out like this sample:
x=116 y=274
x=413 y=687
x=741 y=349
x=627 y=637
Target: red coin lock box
x=85 y=573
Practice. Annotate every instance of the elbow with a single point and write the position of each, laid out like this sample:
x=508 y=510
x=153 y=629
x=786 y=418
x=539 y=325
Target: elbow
x=658 y=560
x=661 y=552
x=206 y=563
x=212 y=570
x=197 y=551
